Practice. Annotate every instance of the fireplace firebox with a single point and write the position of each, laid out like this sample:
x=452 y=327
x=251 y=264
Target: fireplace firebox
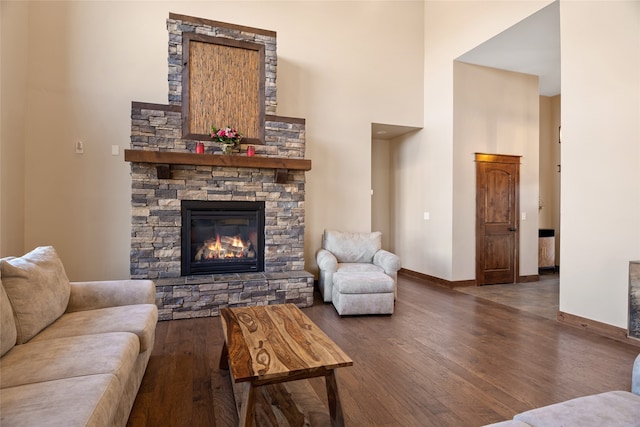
x=222 y=237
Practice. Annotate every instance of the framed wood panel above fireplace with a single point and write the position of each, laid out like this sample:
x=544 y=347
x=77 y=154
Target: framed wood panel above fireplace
x=223 y=84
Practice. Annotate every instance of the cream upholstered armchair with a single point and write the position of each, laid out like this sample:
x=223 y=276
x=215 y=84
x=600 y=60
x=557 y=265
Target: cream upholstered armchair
x=356 y=274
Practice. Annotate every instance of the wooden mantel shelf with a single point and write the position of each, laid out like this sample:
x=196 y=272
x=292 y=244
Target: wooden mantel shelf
x=281 y=165
x=239 y=161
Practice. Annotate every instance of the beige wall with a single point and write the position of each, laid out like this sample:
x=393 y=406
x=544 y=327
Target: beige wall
x=600 y=209
x=13 y=87
x=451 y=29
x=600 y=199
x=495 y=112
x=549 y=213
x=340 y=67
x=382 y=190
x=412 y=241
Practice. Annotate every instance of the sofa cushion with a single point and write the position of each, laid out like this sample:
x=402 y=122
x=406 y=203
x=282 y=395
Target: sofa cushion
x=89 y=401
x=352 y=247
x=8 y=332
x=69 y=357
x=138 y=319
x=613 y=408
x=110 y=293
x=38 y=289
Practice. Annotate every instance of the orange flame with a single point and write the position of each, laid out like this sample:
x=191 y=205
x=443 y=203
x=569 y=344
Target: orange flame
x=225 y=247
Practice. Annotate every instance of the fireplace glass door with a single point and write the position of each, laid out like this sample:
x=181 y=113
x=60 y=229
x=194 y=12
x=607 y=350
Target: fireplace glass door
x=222 y=237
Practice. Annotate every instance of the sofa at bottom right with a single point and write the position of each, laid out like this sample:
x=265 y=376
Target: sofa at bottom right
x=610 y=409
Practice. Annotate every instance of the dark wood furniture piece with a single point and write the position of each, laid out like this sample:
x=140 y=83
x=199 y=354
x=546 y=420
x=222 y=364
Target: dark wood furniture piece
x=274 y=344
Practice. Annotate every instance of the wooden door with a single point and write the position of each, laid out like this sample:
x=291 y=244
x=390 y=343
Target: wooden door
x=497 y=206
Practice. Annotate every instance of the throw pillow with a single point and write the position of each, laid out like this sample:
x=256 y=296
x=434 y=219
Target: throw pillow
x=8 y=331
x=38 y=289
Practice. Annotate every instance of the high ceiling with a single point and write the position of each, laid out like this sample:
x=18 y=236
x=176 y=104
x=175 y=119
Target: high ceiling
x=532 y=46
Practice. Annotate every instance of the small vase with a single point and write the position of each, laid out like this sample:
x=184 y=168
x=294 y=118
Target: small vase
x=228 y=148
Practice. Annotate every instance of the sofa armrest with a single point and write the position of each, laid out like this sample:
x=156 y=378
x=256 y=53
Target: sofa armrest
x=110 y=293
x=388 y=261
x=326 y=260
x=635 y=376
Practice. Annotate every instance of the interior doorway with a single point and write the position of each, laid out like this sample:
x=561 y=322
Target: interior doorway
x=384 y=141
x=532 y=46
x=549 y=181
x=497 y=207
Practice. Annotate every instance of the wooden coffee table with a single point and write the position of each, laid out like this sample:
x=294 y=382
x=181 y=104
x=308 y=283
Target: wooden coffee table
x=278 y=343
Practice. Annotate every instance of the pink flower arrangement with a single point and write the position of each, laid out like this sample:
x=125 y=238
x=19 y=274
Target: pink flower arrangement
x=227 y=135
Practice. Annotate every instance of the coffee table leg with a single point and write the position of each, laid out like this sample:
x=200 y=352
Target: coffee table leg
x=224 y=357
x=246 y=410
x=335 y=407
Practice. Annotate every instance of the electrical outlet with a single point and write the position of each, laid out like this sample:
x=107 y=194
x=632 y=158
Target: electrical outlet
x=115 y=150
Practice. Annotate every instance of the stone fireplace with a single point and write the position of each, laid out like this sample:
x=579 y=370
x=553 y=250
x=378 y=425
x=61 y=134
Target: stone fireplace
x=197 y=266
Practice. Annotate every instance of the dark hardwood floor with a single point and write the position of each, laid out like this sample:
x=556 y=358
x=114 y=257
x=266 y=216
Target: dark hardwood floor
x=444 y=358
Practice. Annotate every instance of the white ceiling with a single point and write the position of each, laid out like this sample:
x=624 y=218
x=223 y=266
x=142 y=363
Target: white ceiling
x=532 y=46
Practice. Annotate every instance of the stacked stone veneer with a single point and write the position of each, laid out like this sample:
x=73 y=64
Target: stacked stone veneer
x=178 y=24
x=156 y=215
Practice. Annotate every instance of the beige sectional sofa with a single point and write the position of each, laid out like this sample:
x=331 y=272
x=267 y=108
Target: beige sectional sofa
x=72 y=354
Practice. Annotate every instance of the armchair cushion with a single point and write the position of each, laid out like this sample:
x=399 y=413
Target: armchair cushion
x=352 y=247
x=362 y=282
x=359 y=267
